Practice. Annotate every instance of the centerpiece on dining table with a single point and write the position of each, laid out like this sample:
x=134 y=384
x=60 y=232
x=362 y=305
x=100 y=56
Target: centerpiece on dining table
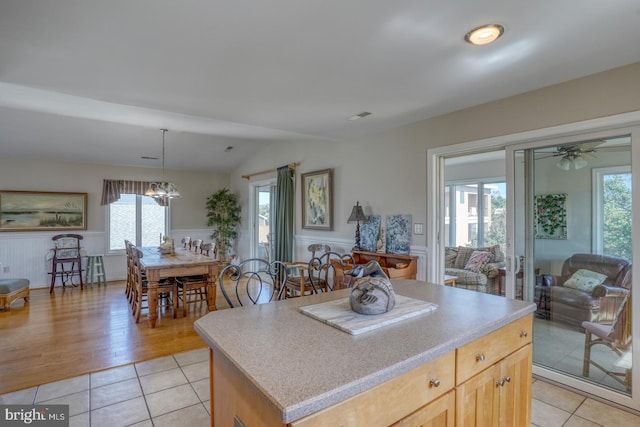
x=167 y=246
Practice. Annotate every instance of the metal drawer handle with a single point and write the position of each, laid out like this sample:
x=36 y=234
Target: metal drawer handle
x=480 y=358
x=524 y=334
x=434 y=383
x=502 y=381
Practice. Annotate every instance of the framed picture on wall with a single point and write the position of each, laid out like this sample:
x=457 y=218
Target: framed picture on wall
x=317 y=200
x=551 y=216
x=42 y=211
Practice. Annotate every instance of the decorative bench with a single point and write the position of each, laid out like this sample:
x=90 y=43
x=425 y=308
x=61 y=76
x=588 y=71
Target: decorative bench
x=13 y=289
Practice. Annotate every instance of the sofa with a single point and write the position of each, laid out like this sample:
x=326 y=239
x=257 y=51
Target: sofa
x=482 y=279
x=577 y=295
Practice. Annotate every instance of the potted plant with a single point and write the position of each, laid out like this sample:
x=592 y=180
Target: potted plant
x=223 y=213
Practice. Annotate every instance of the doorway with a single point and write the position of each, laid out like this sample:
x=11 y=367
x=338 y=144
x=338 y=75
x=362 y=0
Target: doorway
x=263 y=219
x=538 y=164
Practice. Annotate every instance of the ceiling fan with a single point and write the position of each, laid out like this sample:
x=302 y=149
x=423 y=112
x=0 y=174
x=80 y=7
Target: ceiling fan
x=579 y=155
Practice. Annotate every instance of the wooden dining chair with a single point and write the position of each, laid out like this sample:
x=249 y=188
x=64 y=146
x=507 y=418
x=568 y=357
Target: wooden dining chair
x=193 y=289
x=298 y=272
x=195 y=245
x=130 y=272
x=210 y=250
x=185 y=242
x=167 y=289
x=252 y=281
x=322 y=273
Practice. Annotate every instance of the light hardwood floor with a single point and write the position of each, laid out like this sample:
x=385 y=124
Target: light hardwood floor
x=73 y=332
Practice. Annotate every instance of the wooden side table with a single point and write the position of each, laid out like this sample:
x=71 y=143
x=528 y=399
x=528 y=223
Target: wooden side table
x=450 y=280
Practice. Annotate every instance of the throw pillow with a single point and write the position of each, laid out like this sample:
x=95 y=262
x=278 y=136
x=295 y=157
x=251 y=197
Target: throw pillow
x=498 y=256
x=477 y=261
x=585 y=280
x=450 y=255
x=464 y=253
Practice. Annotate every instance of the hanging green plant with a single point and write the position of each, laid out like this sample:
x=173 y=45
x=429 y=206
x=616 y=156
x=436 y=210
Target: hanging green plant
x=223 y=213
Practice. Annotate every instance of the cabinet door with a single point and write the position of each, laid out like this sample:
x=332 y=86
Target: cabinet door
x=515 y=393
x=439 y=413
x=478 y=400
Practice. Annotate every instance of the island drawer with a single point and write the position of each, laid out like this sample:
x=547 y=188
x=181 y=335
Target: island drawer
x=489 y=349
x=398 y=397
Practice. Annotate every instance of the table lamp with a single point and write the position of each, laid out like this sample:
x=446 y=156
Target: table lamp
x=357 y=215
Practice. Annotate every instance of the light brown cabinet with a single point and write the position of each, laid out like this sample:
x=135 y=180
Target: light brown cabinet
x=493 y=386
x=395 y=266
x=486 y=382
x=439 y=413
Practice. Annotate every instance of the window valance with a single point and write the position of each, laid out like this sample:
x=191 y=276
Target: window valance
x=112 y=188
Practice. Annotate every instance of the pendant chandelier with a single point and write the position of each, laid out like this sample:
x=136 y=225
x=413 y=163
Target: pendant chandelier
x=163 y=190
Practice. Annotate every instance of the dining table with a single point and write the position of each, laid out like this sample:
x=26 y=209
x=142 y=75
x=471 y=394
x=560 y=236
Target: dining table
x=181 y=262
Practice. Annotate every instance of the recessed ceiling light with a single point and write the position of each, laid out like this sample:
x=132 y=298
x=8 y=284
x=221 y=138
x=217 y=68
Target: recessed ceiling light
x=359 y=116
x=484 y=34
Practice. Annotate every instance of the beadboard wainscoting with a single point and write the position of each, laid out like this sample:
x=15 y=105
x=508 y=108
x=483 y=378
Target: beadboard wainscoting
x=24 y=254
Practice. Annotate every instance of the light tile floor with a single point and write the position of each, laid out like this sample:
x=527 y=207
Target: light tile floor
x=174 y=390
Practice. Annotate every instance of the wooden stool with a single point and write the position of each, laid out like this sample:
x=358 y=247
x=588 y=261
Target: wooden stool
x=95 y=269
x=13 y=289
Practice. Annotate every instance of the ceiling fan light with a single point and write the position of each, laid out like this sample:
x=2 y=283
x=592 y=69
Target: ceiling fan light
x=564 y=164
x=579 y=162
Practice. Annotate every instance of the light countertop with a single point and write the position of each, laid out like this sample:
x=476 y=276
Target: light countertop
x=301 y=365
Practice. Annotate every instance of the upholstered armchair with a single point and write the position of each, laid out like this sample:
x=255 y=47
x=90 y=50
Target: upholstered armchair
x=575 y=296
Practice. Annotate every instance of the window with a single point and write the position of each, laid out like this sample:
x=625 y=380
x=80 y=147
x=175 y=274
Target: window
x=475 y=220
x=612 y=211
x=136 y=218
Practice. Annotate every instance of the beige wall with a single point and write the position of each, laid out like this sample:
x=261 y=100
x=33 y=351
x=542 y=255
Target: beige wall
x=32 y=175
x=24 y=253
x=387 y=172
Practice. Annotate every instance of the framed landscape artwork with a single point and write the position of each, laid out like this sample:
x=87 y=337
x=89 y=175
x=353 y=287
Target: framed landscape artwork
x=42 y=211
x=317 y=200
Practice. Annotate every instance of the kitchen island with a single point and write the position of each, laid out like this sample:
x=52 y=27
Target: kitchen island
x=468 y=361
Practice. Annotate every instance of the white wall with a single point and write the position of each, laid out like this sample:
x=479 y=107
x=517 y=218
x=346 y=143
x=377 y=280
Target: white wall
x=23 y=253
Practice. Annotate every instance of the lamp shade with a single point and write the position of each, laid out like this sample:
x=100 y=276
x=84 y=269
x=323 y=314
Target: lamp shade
x=564 y=164
x=579 y=162
x=357 y=214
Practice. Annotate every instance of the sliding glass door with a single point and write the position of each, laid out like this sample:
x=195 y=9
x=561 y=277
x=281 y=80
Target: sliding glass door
x=572 y=237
